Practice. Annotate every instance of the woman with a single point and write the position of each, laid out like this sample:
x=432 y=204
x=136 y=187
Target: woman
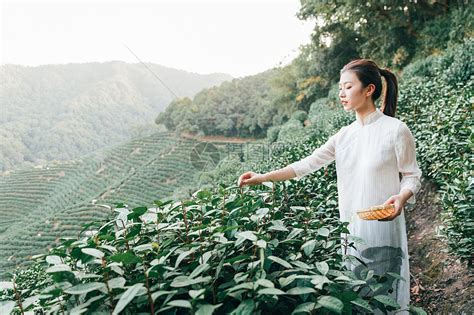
x=369 y=153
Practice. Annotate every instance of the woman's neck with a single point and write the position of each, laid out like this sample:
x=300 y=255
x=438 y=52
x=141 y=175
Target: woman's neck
x=362 y=113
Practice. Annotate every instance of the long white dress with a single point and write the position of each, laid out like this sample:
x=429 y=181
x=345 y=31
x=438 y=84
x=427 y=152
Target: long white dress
x=370 y=153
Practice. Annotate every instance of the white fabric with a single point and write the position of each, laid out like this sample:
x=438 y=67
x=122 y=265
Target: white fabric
x=370 y=153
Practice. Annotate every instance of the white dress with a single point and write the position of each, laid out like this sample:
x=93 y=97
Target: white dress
x=370 y=153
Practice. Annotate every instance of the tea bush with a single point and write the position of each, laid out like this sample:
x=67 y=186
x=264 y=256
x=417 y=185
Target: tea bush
x=230 y=251
x=437 y=106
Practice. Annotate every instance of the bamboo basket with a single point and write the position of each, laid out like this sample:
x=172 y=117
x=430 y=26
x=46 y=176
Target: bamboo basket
x=376 y=212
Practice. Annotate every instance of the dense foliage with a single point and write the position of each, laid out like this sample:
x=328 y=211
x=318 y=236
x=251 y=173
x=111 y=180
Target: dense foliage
x=61 y=112
x=241 y=107
x=230 y=251
x=436 y=100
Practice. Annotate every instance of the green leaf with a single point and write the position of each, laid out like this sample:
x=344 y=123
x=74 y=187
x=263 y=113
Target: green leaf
x=29 y=301
x=300 y=290
x=199 y=269
x=301 y=265
x=305 y=308
x=143 y=247
x=322 y=267
x=93 y=252
x=58 y=268
x=126 y=258
x=184 y=281
x=244 y=308
x=294 y=233
x=236 y=258
x=248 y=235
x=387 y=300
x=157 y=294
x=137 y=212
x=417 y=310
x=278 y=225
x=264 y=283
x=331 y=303
x=127 y=297
x=308 y=247
x=53 y=260
x=196 y=293
x=207 y=309
x=280 y=261
x=396 y=276
x=271 y=291
x=362 y=303
x=84 y=288
x=262 y=244
x=180 y=303
x=323 y=232
x=183 y=255
x=116 y=283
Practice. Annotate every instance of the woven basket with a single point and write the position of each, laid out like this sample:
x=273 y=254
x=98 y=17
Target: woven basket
x=376 y=212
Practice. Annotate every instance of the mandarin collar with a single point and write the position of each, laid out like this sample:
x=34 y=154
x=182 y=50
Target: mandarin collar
x=370 y=118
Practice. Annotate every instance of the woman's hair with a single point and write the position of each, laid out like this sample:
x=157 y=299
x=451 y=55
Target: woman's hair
x=369 y=73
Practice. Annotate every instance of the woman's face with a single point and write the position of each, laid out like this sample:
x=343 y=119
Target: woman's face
x=351 y=93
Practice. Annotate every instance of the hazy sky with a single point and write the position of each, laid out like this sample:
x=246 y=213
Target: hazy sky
x=236 y=37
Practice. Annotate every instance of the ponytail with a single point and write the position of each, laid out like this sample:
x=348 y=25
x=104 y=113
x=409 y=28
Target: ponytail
x=389 y=106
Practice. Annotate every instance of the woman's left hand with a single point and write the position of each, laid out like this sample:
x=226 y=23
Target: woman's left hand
x=398 y=201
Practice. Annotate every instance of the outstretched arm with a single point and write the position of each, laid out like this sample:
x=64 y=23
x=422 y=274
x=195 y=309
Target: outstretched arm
x=251 y=178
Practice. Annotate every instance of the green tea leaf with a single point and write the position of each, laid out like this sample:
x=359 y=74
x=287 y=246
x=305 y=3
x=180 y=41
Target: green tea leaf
x=84 y=288
x=93 y=252
x=126 y=258
x=322 y=267
x=417 y=310
x=183 y=255
x=323 y=231
x=331 y=303
x=58 y=268
x=180 y=303
x=307 y=307
x=244 y=308
x=196 y=293
x=127 y=297
x=387 y=300
x=300 y=290
x=362 y=303
x=308 y=247
x=280 y=261
x=207 y=309
x=271 y=291
x=248 y=235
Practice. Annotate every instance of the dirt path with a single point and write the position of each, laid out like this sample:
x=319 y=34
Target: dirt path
x=440 y=283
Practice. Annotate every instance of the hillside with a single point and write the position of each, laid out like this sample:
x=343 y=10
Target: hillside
x=61 y=112
x=42 y=204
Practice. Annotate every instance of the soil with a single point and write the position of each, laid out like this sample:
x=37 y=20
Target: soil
x=440 y=282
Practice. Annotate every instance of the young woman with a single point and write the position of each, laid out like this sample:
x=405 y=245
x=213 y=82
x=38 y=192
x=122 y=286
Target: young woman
x=369 y=153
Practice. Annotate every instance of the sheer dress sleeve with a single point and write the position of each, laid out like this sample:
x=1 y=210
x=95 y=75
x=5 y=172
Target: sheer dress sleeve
x=406 y=159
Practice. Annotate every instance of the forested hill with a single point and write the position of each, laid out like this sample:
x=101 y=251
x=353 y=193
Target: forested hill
x=60 y=112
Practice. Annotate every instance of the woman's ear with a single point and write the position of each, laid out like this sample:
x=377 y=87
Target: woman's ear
x=370 y=90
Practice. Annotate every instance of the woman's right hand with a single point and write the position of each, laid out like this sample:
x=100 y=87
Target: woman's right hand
x=250 y=178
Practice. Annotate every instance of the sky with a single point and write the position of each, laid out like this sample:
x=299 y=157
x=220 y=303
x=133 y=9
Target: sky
x=236 y=37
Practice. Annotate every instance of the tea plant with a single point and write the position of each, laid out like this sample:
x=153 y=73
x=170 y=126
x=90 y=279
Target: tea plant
x=228 y=251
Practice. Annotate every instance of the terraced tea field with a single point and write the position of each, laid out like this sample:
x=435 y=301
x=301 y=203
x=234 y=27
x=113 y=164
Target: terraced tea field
x=40 y=205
